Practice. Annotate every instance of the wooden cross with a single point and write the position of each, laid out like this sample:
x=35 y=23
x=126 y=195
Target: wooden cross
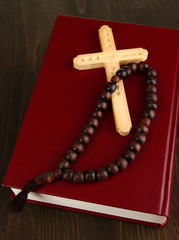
x=111 y=59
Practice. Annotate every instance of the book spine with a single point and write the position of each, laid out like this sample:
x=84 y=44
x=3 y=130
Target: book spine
x=171 y=156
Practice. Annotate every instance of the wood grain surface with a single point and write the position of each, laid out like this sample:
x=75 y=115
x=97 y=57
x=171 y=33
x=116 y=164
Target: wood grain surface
x=25 y=28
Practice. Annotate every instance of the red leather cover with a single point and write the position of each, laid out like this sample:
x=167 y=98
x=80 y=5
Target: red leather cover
x=63 y=99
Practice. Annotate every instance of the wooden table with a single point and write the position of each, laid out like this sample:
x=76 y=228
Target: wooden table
x=25 y=28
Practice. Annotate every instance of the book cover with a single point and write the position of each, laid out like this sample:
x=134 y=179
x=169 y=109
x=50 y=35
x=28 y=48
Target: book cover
x=61 y=103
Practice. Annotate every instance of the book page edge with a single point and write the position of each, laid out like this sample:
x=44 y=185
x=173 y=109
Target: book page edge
x=94 y=207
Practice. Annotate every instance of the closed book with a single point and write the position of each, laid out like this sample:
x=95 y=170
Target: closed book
x=63 y=100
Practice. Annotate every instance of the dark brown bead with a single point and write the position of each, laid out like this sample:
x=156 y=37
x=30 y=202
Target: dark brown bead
x=140 y=138
x=63 y=164
x=84 y=138
x=70 y=155
x=112 y=168
x=105 y=95
x=152 y=97
x=102 y=105
x=101 y=174
x=50 y=177
x=122 y=73
x=142 y=128
x=122 y=163
x=40 y=181
x=57 y=173
x=151 y=105
x=77 y=147
x=97 y=113
x=88 y=130
x=134 y=146
x=146 y=121
x=90 y=176
x=129 y=155
x=151 y=80
x=149 y=113
x=115 y=79
x=151 y=72
x=128 y=70
x=133 y=66
x=45 y=178
x=151 y=88
x=78 y=177
x=94 y=122
x=110 y=86
x=67 y=175
x=143 y=66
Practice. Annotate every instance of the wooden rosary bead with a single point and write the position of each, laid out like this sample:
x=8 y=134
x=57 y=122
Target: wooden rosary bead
x=97 y=113
x=102 y=105
x=84 y=138
x=94 y=122
x=112 y=168
x=152 y=97
x=63 y=164
x=134 y=146
x=70 y=155
x=151 y=105
x=149 y=113
x=67 y=175
x=128 y=70
x=78 y=177
x=57 y=173
x=105 y=95
x=77 y=147
x=133 y=66
x=151 y=80
x=151 y=72
x=45 y=178
x=101 y=174
x=115 y=79
x=142 y=128
x=151 y=88
x=143 y=66
x=110 y=87
x=88 y=130
x=122 y=163
x=122 y=73
x=146 y=121
x=129 y=155
x=90 y=176
x=140 y=138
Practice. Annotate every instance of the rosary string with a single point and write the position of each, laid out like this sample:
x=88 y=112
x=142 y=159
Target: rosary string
x=63 y=170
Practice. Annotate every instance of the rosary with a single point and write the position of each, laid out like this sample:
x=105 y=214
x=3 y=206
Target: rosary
x=63 y=171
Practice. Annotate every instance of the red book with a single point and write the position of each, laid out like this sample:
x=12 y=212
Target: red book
x=61 y=104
